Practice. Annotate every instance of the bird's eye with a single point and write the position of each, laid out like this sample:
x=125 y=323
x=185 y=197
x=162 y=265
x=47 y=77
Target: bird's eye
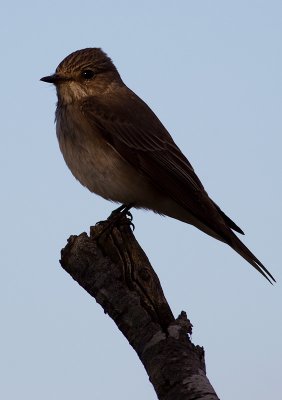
x=87 y=74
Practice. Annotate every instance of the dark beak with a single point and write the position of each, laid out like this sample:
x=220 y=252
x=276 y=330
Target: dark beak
x=55 y=78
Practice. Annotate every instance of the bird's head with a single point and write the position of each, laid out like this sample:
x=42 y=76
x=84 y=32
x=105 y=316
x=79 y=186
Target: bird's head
x=84 y=73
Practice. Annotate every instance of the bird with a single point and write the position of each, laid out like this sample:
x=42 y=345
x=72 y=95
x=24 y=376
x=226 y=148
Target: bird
x=116 y=146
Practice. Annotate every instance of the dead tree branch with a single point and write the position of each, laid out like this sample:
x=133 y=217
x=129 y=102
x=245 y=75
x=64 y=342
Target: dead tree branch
x=114 y=269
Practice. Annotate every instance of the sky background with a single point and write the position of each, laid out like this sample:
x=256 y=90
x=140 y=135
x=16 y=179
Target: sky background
x=211 y=71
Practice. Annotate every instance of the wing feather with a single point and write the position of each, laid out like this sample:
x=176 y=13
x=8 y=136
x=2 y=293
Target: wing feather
x=139 y=137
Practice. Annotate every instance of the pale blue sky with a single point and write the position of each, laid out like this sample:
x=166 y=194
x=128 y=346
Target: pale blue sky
x=211 y=71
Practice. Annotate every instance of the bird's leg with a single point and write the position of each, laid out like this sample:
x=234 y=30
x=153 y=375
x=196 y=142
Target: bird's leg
x=115 y=217
x=122 y=210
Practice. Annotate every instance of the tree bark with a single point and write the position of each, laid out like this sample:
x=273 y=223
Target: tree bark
x=111 y=266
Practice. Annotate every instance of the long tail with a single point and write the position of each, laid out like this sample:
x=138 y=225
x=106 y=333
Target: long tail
x=243 y=250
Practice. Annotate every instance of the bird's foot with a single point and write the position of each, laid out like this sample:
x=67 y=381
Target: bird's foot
x=123 y=210
x=118 y=217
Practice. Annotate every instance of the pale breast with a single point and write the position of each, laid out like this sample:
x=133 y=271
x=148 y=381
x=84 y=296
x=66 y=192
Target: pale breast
x=97 y=165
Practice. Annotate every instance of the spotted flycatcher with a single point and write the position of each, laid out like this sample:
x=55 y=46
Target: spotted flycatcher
x=116 y=146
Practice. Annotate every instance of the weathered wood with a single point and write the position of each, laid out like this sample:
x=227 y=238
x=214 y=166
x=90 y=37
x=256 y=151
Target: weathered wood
x=114 y=269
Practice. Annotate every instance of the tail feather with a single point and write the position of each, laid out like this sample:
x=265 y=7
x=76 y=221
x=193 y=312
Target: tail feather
x=243 y=250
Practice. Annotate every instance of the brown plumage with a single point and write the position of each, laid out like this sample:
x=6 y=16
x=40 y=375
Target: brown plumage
x=117 y=147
